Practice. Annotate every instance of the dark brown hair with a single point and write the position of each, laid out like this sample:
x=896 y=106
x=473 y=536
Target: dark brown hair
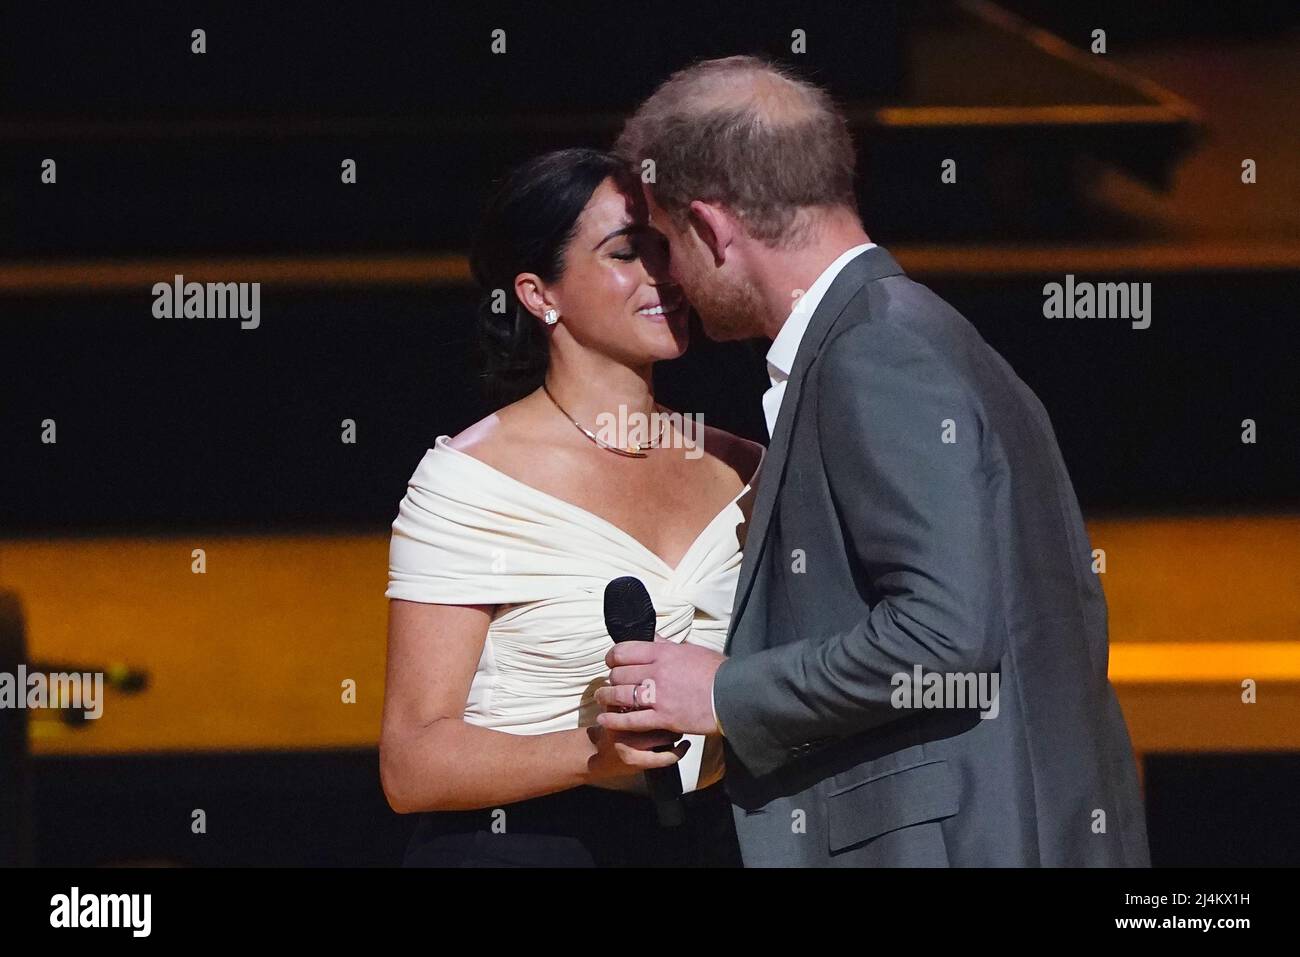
x=527 y=227
x=748 y=133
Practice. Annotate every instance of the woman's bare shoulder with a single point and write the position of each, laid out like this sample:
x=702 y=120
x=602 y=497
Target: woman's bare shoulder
x=483 y=434
x=508 y=438
x=497 y=428
x=741 y=454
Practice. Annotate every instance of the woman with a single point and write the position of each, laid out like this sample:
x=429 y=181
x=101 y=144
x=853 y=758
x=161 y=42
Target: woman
x=510 y=531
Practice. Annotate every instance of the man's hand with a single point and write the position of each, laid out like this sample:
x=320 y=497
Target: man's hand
x=672 y=683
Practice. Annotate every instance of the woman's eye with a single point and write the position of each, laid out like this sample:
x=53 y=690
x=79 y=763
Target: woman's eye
x=625 y=255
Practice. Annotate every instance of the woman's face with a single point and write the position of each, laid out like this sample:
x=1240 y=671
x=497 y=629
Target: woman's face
x=615 y=296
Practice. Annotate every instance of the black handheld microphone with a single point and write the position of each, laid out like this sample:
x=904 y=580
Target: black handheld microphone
x=630 y=616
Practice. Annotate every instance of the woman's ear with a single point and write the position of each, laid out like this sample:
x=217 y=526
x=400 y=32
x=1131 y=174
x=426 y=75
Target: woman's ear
x=530 y=291
x=714 y=226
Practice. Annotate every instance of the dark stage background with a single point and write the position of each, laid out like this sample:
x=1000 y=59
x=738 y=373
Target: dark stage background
x=226 y=166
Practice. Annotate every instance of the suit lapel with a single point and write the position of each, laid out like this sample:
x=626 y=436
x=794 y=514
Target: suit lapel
x=872 y=264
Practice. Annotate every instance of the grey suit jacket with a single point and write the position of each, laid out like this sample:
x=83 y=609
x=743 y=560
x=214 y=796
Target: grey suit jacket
x=914 y=511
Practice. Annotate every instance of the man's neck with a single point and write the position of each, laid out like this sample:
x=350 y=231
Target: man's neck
x=787 y=274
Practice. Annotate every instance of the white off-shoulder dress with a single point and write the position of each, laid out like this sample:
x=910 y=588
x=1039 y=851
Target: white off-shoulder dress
x=467 y=533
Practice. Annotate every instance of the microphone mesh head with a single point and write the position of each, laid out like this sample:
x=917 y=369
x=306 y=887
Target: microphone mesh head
x=629 y=613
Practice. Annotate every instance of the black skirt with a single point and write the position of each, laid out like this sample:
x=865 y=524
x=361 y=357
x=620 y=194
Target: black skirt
x=581 y=827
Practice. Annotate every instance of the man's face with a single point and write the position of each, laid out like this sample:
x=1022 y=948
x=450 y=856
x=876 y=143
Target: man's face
x=728 y=306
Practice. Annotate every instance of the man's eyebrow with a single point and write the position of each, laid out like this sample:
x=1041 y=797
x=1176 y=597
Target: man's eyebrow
x=623 y=230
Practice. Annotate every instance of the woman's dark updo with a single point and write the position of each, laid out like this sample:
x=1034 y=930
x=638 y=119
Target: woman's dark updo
x=527 y=227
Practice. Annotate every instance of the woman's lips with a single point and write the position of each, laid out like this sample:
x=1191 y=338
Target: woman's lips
x=662 y=312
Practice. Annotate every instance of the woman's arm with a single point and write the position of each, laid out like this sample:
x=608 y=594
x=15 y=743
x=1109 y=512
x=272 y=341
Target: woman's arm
x=431 y=760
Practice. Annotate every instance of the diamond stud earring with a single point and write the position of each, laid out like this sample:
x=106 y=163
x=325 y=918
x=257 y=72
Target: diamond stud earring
x=551 y=317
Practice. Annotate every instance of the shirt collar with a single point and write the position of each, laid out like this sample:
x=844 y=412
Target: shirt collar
x=780 y=357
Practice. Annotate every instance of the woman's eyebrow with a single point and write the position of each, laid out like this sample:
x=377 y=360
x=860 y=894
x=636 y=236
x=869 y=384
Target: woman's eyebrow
x=623 y=230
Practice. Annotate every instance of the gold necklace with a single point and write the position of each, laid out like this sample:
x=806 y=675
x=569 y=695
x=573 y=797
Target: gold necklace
x=634 y=452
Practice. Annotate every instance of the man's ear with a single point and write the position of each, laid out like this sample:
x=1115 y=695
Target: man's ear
x=715 y=227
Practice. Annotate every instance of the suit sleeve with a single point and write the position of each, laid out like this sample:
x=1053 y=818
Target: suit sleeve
x=903 y=447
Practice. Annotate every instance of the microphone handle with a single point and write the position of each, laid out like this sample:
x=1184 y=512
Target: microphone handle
x=665 y=786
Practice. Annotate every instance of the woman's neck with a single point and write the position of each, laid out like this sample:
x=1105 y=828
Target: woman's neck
x=589 y=387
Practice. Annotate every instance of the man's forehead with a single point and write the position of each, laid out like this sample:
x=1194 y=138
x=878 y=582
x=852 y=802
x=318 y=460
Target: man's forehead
x=636 y=204
x=648 y=200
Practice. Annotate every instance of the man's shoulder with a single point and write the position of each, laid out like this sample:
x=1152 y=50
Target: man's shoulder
x=899 y=331
x=899 y=305
x=897 y=315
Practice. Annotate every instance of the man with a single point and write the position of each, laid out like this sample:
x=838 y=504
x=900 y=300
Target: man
x=916 y=670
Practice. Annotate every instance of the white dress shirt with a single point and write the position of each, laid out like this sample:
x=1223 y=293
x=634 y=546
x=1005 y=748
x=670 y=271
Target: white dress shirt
x=780 y=357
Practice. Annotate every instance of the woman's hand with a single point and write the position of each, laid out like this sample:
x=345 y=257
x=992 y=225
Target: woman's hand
x=618 y=754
